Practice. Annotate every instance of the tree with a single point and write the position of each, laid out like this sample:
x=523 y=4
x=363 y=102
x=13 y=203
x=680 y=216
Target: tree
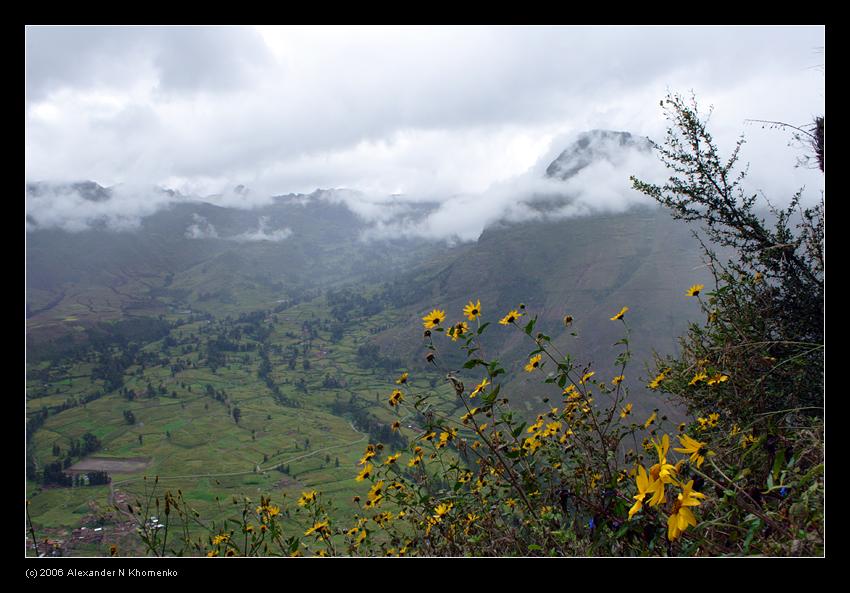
x=765 y=320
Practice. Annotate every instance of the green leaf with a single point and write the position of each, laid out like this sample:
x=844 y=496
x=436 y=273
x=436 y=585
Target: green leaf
x=482 y=328
x=529 y=327
x=778 y=463
x=750 y=534
x=518 y=430
x=473 y=363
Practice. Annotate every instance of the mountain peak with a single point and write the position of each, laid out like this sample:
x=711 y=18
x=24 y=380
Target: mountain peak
x=592 y=146
x=88 y=190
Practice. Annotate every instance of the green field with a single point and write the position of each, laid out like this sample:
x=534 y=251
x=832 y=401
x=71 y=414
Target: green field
x=188 y=431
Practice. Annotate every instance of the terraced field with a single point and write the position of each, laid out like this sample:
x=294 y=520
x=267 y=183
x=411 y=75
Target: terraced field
x=184 y=431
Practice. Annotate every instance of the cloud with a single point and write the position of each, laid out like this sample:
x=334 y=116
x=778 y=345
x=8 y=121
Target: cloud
x=435 y=127
x=603 y=186
x=201 y=229
x=66 y=207
x=262 y=233
x=386 y=109
x=172 y=59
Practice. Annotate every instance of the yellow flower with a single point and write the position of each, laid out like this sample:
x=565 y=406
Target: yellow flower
x=446 y=437
x=551 y=429
x=701 y=376
x=369 y=454
x=571 y=392
x=533 y=363
x=396 y=397
x=472 y=311
x=434 y=318
x=694 y=290
x=457 y=330
x=657 y=380
x=586 y=376
x=650 y=420
x=376 y=489
x=392 y=458
x=644 y=487
x=479 y=388
x=697 y=450
x=662 y=472
x=747 y=440
x=306 y=497
x=367 y=471
x=402 y=380
x=220 y=539
x=617 y=380
x=511 y=317
x=532 y=444
x=536 y=426
x=395 y=426
x=320 y=528
x=468 y=416
x=441 y=510
x=682 y=516
x=626 y=411
x=620 y=314
x=718 y=378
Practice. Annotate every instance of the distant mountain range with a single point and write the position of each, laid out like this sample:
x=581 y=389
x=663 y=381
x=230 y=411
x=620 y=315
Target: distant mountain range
x=217 y=259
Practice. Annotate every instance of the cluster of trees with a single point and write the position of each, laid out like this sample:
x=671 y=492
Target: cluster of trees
x=369 y=357
x=89 y=444
x=53 y=473
x=264 y=372
x=357 y=409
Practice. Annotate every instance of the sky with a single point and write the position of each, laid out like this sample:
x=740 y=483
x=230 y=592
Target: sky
x=466 y=117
